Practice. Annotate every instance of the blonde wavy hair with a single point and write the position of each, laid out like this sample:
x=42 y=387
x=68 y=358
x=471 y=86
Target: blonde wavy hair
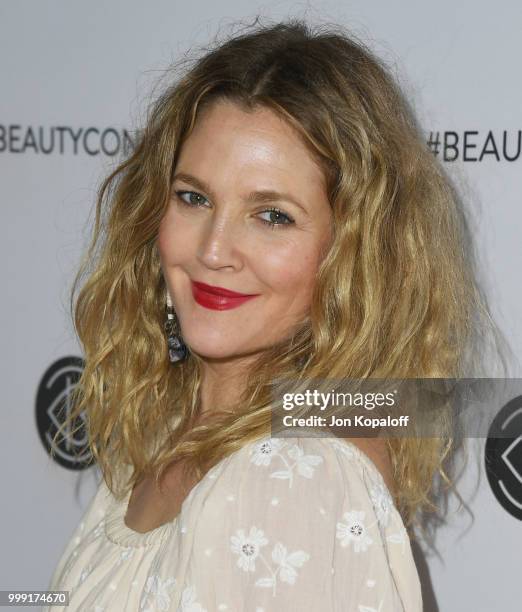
x=396 y=295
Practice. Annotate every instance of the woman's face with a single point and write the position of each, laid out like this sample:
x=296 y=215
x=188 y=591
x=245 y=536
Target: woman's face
x=219 y=230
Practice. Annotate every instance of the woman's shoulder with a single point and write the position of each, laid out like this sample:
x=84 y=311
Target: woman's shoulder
x=305 y=511
x=316 y=456
x=288 y=472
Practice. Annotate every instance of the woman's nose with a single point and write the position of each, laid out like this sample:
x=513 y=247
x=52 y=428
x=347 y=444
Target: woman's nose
x=219 y=242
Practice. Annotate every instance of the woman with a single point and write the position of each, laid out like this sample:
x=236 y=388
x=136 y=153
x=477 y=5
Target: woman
x=282 y=204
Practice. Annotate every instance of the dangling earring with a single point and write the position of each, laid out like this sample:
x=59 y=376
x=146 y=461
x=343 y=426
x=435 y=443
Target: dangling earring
x=177 y=348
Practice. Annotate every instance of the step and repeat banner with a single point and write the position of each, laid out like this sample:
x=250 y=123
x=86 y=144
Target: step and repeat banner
x=76 y=79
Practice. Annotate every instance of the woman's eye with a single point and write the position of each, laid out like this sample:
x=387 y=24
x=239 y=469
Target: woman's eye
x=191 y=198
x=277 y=218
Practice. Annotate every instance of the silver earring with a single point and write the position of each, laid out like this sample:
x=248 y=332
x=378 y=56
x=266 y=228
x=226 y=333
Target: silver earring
x=177 y=348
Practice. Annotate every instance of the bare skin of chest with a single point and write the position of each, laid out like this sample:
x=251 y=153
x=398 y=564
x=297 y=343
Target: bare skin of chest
x=150 y=508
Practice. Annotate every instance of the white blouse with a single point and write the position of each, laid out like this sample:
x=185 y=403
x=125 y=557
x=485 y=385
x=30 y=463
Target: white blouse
x=281 y=525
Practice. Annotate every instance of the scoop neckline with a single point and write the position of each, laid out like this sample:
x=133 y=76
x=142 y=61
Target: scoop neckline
x=120 y=533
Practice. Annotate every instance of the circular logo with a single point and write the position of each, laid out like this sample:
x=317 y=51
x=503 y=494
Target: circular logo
x=53 y=406
x=503 y=457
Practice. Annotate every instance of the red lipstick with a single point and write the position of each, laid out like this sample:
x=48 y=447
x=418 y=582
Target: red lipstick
x=218 y=298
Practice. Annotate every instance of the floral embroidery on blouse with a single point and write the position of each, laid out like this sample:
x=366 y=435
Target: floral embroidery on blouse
x=156 y=595
x=249 y=549
x=266 y=451
x=188 y=601
x=382 y=502
x=354 y=531
x=264 y=525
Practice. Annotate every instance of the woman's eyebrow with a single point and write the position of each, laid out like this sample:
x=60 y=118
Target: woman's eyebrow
x=195 y=182
x=269 y=195
x=263 y=195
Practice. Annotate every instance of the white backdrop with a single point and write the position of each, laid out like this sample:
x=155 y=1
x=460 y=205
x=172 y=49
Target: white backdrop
x=86 y=70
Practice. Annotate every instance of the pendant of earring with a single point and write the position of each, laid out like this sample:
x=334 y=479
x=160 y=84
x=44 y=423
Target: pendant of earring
x=177 y=348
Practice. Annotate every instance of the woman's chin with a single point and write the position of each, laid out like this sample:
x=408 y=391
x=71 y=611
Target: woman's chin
x=217 y=356
x=219 y=351
x=210 y=348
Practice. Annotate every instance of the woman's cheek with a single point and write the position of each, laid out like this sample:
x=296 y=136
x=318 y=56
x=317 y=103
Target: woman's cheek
x=174 y=239
x=290 y=272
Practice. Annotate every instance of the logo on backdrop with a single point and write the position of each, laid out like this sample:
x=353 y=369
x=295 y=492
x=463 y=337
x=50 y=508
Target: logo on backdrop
x=503 y=457
x=53 y=405
x=65 y=139
x=475 y=146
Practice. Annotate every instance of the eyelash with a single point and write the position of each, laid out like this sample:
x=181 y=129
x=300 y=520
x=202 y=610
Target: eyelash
x=270 y=224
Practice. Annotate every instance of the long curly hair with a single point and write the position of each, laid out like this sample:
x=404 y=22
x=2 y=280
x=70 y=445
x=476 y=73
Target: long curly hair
x=396 y=296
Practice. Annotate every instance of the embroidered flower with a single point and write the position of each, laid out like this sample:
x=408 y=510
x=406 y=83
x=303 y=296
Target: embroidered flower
x=247 y=547
x=354 y=531
x=188 y=601
x=305 y=463
x=263 y=452
x=288 y=562
x=382 y=502
x=284 y=569
x=156 y=593
x=297 y=460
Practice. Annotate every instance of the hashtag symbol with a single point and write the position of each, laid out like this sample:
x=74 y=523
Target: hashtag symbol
x=434 y=142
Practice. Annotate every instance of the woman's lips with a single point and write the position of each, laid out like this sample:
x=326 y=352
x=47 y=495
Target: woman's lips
x=218 y=298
